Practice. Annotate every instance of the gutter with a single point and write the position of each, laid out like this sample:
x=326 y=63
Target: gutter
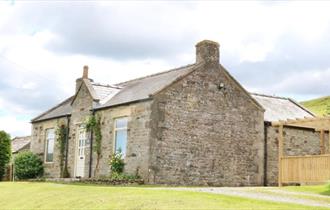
x=91 y=150
x=266 y=125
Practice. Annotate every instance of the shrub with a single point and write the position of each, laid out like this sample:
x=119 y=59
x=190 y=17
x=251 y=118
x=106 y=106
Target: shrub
x=28 y=166
x=5 y=152
x=117 y=163
x=123 y=176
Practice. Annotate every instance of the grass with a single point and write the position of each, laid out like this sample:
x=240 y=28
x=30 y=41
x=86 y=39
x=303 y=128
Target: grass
x=319 y=106
x=317 y=189
x=24 y=195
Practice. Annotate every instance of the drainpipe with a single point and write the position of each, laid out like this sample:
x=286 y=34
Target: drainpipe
x=67 y=142
x=266 y=124
x=91 y=150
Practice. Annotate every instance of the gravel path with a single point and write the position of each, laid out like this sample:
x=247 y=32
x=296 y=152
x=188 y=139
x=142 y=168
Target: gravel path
x=275 y=195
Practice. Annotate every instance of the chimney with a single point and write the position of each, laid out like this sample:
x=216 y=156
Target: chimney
x=207 y=51
x=85 y=72
x=84 y=76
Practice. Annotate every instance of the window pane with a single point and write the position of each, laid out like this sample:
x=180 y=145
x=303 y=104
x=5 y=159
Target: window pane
x=121 y=140
x=50 y=140
x=121 y=122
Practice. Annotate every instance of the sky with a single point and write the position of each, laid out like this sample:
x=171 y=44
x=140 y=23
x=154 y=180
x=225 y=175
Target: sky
x=278 y=48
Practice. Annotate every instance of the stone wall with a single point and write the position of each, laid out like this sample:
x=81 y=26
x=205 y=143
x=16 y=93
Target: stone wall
x=296 y=142
x=138 y=139
x=206 y=135
x=38 y=140
x=81 y=107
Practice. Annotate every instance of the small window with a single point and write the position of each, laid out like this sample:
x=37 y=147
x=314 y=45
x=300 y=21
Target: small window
x=50 y=140
x=121 y=135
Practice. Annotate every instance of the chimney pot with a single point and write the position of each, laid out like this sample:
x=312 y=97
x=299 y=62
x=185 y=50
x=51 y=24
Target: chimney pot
x=207 y=51
x=85 y=72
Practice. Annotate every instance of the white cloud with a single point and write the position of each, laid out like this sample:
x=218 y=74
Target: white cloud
x=14 y=126
x=47 y=43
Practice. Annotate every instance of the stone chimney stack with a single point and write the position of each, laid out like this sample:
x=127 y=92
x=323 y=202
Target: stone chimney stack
x=207 y=51
x=85 y=72
x=84 y=76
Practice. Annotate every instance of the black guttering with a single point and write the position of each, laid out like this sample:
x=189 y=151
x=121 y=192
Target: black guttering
x=266 y=125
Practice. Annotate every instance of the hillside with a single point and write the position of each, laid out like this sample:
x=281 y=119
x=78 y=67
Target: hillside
x=319 y=105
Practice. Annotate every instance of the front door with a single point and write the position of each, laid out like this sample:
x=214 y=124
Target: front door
x=80 y=156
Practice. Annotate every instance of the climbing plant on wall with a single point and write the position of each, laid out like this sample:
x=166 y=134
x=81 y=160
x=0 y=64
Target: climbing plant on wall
x=94 y=125
x=61 y=139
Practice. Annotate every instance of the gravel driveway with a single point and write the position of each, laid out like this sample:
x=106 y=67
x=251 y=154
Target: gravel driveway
x=263 y=193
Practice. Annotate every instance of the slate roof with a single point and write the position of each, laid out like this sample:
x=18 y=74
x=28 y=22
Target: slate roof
x=144 y=87
x=19 y=143
x=276 y=108
x=62 y=109
x=280 y=108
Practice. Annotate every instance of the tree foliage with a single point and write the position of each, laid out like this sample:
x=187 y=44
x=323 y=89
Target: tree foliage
x=5 y=152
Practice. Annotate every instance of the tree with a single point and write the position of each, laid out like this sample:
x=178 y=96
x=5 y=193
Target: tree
x=5 y=152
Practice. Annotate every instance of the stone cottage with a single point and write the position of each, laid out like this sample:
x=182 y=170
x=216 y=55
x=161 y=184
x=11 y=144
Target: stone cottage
x=193 y=125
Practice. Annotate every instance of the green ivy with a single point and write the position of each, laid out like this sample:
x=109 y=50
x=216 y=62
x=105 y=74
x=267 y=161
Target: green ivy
x=61 y=139
x=94 y=124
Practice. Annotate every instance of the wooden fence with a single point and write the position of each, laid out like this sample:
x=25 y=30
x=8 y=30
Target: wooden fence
x=305 y=169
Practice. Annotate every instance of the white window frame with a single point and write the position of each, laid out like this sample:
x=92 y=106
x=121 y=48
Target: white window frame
x=115 y=129
x=46 y=144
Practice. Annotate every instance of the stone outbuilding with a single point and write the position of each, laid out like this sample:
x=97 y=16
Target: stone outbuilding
x=193 y=125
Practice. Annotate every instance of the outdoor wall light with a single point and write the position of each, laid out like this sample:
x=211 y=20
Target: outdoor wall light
x=221 y=86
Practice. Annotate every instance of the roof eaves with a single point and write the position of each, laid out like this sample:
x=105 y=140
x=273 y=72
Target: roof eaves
x=51 y=118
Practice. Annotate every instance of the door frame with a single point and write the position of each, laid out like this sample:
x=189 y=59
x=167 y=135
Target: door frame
x=79 y=128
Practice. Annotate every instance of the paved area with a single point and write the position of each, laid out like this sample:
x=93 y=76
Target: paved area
x=264 y=193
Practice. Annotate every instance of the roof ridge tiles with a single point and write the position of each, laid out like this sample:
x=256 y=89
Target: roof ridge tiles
x=156 y=74
x=270 y=96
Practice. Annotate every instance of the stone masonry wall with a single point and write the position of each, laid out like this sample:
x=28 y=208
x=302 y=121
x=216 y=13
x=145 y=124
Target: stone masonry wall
x=81 y=107
x=296 y=142
x=138 y=139
x=205 y=135
x=38 y=145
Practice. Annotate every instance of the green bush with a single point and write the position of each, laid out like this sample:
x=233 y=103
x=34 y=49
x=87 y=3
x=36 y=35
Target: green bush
x=28 y=166
x=117 y=163
x=123 y=176
x=5 y=152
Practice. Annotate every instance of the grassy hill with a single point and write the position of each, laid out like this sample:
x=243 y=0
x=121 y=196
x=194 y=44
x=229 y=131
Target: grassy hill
x=319 y=106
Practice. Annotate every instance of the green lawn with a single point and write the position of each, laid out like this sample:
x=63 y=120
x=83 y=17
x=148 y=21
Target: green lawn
x=318 y=189
x=23 y=195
